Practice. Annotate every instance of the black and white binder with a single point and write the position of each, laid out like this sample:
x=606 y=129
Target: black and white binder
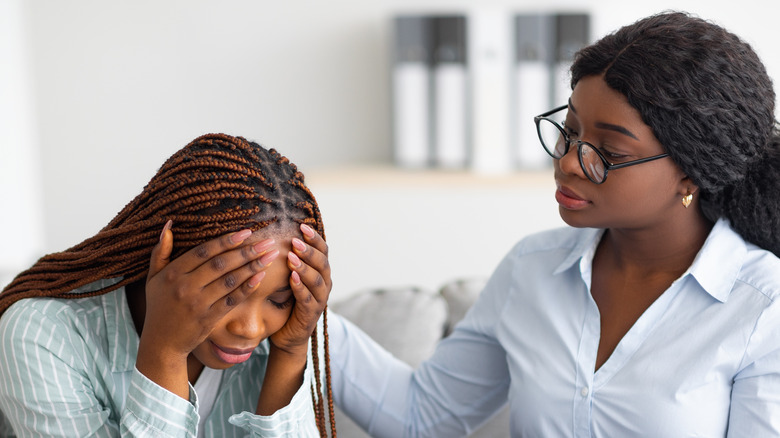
x=490 y=65
x=411 y=82
x=572 y=34
x=450 y=87
x=533 y=85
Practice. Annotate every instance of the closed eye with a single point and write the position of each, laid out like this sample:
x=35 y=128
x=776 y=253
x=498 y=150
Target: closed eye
x=282 y=300
x=289 y=302
x=612 y=155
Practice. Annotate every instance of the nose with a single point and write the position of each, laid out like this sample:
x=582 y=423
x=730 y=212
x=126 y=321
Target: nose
x=246 y=321
x=570 y=162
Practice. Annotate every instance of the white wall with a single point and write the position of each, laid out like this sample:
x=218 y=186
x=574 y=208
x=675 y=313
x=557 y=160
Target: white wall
x=119 y=85
x=21 y=224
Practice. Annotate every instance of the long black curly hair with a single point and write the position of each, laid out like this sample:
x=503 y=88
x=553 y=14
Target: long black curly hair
x=708 y=99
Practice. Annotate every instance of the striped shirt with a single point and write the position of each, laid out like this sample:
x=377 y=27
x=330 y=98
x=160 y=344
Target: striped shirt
x=67 y=369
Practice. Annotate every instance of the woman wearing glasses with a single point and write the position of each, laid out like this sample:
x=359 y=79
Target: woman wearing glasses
x=656 y=313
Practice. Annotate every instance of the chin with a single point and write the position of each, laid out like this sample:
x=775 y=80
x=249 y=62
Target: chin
x=572 y=219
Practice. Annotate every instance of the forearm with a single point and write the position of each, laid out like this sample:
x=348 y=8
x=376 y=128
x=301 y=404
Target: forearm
x=169 y=371
x=453 y=392
x=362 y=373
x=283 y=378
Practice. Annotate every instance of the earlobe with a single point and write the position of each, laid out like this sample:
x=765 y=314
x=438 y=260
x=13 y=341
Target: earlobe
x=687 y=186
x=687 y=190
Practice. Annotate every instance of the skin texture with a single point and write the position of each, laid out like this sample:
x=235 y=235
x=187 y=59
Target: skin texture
x=650 y=238
x=232 y=292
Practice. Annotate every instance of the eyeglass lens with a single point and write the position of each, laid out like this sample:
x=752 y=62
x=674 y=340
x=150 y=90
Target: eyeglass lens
x=554 y=141
x=552 y=138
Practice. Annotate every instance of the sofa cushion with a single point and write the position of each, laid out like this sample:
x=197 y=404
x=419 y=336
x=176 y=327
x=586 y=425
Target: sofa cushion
x=408 y=322
x=396 y=316
x=460 y=295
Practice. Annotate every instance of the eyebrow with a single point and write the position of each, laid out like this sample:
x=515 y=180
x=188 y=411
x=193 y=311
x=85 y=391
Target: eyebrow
x=609 y=126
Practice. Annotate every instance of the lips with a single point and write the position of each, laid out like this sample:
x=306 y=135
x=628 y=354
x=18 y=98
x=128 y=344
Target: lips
x=570 y=200
x=232 y=355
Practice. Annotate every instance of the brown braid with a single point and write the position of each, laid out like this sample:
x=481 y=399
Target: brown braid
x=215 y=185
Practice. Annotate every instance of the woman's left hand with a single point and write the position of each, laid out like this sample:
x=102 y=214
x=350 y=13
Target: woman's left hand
x=311 y=284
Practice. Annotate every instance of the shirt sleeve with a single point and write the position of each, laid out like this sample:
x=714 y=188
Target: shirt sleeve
x=292 y=421
x=151 y=410
x=755 y=395
x=451 y=394
x=53 y=383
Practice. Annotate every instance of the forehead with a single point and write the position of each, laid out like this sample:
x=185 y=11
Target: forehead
x=592 y=96
x=279 y=232
x=599 y=105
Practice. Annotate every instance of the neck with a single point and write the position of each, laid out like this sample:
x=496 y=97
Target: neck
x=670 y=247
x=135 y=293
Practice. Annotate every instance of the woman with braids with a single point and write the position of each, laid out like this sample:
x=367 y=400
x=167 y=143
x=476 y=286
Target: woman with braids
x=658 y=313
x=189 y=315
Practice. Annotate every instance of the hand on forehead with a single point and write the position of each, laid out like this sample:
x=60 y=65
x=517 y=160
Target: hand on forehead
x=282 y=234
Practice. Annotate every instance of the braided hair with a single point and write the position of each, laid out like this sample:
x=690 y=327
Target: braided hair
x=215 y=185
x=710 y=102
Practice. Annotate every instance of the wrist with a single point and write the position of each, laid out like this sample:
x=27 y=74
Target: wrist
x=166 y=369
x=159 y=355
x=289 y=351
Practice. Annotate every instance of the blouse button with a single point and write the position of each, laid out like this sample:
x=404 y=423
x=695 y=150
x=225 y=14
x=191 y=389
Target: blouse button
x=584 y=391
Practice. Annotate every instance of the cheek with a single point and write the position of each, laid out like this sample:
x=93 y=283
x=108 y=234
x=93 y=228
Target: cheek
x=639 y=194
x=276 y=318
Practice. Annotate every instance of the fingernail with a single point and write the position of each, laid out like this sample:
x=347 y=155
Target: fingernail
x=260 y=247
x=166 y=228
x=296 y=279
x=240 y=236
x=298 y=244
x=307 y=230
x=294 y=259
x=269 y=257
x=256 y=279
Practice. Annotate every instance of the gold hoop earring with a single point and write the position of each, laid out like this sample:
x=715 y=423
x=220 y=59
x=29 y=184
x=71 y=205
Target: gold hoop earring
x=687 y=199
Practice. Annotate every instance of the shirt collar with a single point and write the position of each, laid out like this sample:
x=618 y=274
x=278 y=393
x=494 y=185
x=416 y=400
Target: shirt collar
x=715 y=267
x=718 y=263
x=584 y=247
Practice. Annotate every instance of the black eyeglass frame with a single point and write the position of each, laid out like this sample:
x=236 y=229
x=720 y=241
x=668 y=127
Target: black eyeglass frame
x=607 y=165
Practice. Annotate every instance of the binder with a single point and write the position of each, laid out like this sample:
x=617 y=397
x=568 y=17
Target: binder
x=572 y=33
x=450 y=79
x=533 y=86
x=490 y=54
x=411 y=82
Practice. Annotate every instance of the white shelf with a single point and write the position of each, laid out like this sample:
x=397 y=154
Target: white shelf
x=387 y=175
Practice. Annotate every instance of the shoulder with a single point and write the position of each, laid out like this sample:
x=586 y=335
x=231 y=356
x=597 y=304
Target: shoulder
x=559 y=240
x=732 y=263
x=761 y=271
x=54 y=310
x=32 y=312
x=537 y=256
x=34 y=320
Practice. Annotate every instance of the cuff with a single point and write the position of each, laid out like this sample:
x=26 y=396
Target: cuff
x=151 y=410
x=294 y=420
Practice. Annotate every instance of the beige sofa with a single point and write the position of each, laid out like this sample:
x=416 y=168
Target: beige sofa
x=409 y=322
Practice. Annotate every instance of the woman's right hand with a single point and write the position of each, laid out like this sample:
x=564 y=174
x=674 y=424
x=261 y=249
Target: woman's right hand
x=186 y=297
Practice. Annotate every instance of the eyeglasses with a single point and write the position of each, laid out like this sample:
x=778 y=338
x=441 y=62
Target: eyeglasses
x=557 y=143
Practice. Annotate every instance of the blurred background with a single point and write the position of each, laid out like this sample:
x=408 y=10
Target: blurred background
x=95 y=95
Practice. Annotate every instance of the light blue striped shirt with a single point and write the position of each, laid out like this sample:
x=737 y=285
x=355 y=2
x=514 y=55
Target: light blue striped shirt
x=703 y=360
x=67 y=369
